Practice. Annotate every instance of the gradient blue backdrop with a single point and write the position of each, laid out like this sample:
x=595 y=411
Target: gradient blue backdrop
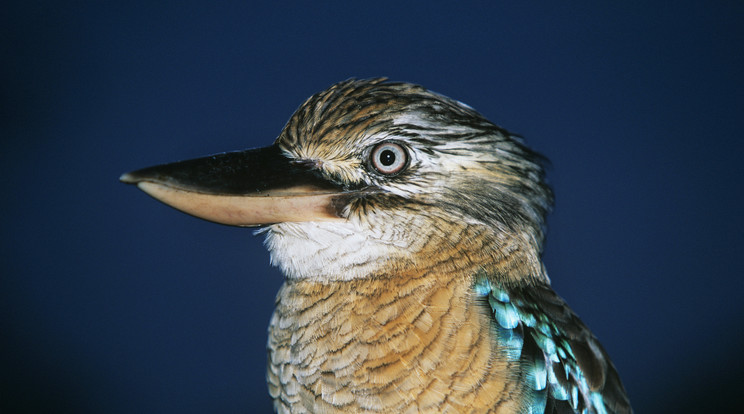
x=113 y=303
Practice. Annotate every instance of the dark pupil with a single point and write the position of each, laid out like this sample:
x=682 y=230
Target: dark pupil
x=387 y=158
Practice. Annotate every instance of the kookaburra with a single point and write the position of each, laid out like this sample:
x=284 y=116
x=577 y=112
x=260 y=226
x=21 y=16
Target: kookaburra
x=409 y=230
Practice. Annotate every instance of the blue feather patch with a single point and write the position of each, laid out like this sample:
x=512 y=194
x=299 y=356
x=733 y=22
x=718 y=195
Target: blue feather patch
x=551 y=366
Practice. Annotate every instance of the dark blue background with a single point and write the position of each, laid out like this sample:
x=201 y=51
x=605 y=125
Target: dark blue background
x=113 y=303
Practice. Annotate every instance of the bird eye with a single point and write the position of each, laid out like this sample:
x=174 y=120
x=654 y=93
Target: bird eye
x=389 y=158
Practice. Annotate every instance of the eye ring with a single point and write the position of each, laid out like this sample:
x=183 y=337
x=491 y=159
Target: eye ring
x=388 y=158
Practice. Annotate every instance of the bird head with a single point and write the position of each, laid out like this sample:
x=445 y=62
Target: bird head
x=371 y=177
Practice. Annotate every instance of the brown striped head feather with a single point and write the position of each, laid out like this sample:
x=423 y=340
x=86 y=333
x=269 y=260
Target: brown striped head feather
x=464 y=175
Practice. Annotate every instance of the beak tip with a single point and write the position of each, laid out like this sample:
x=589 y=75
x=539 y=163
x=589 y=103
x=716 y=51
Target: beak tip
x=128 y=178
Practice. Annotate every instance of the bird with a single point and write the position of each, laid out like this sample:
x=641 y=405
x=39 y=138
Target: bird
x=409 y=230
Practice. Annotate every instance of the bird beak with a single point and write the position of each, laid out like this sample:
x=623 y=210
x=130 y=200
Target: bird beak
x=245 y=188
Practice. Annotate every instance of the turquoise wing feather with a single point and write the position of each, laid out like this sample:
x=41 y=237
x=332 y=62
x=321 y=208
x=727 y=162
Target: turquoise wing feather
x=564 y=364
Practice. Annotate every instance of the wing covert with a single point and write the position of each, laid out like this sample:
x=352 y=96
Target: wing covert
x=563 y=362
